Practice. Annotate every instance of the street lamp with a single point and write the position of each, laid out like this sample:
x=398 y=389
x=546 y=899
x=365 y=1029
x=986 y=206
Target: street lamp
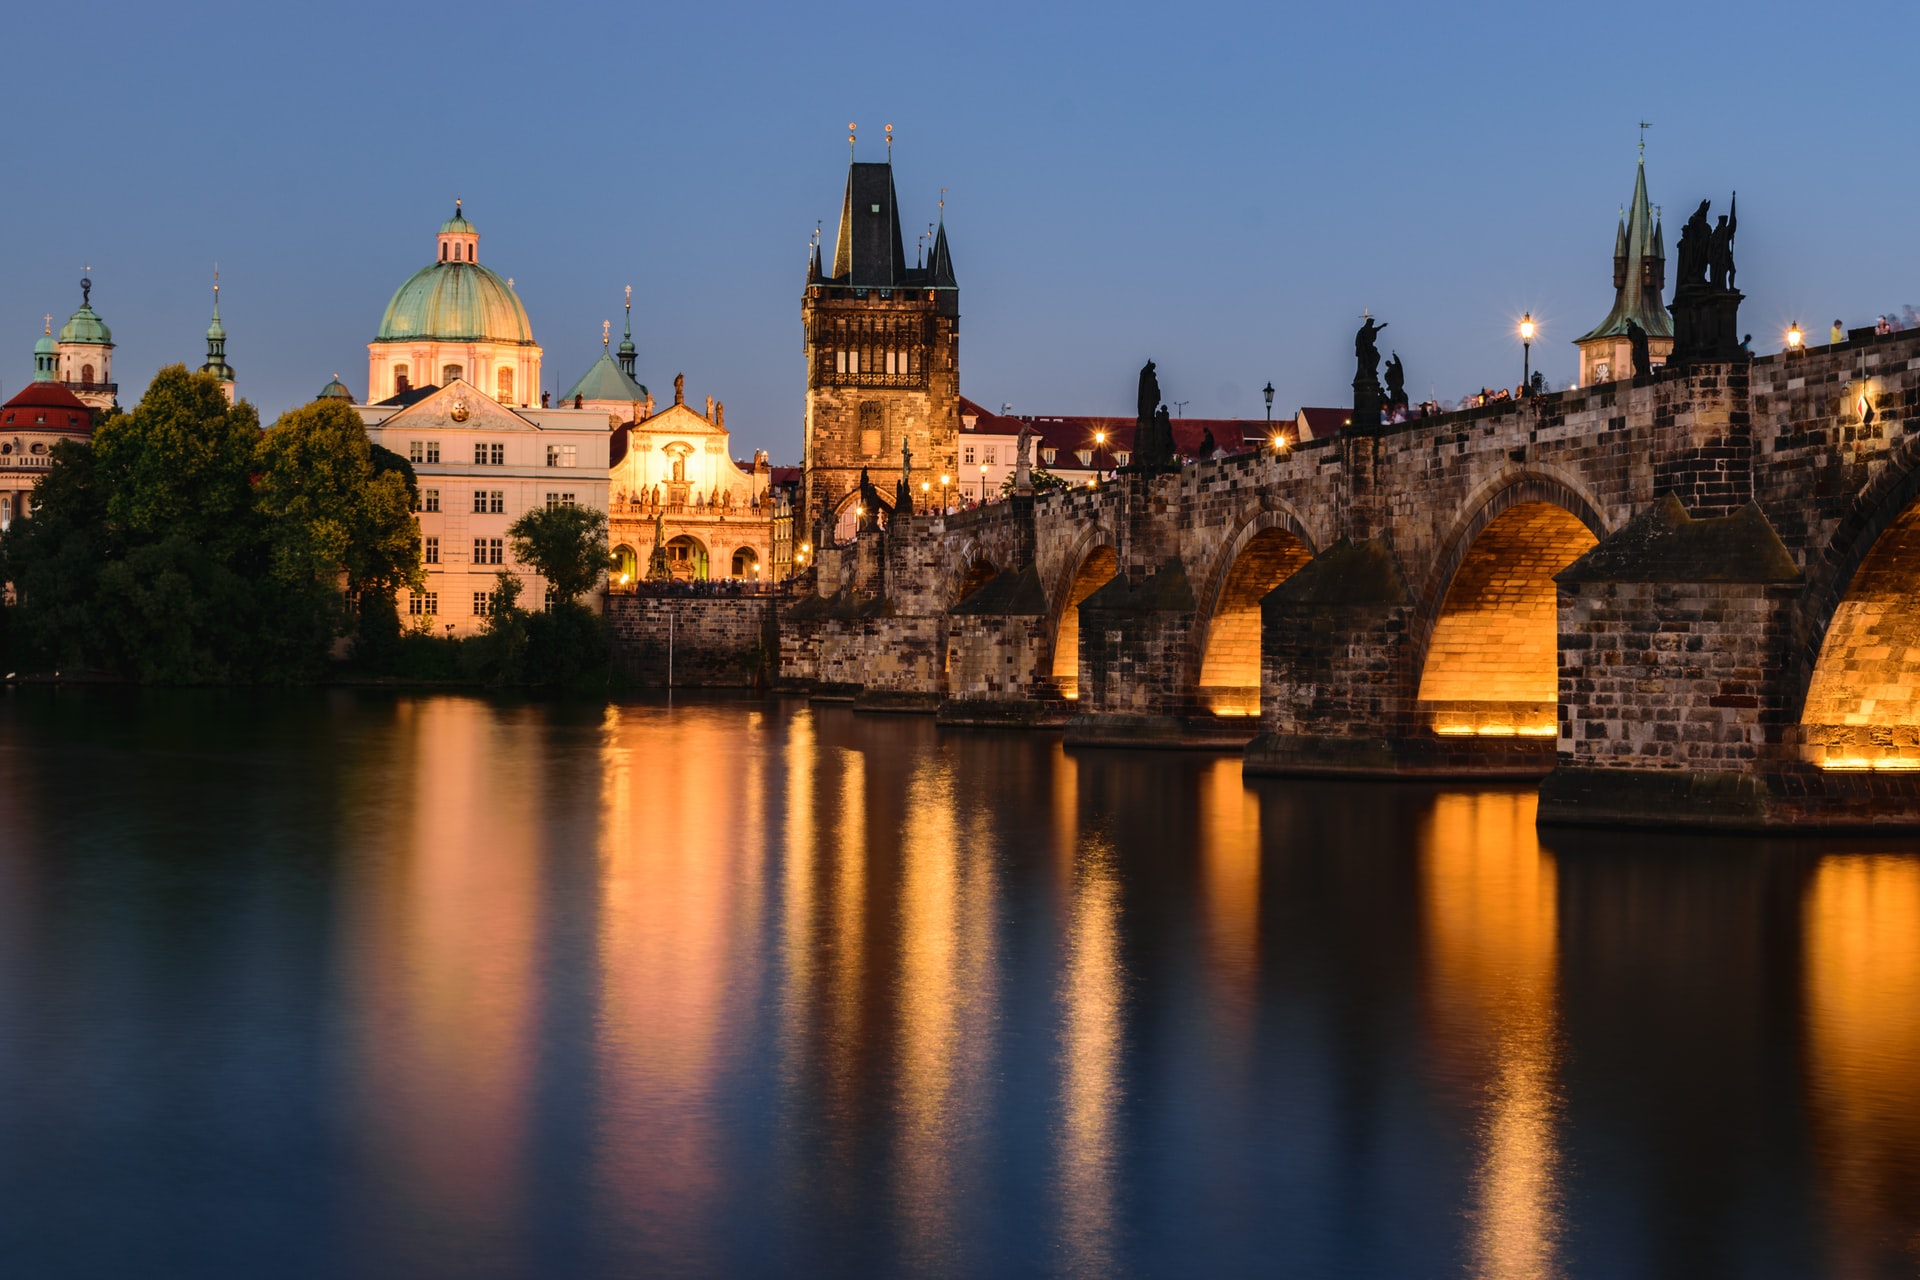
x=1794 y=336
x=944 y=482
x=983 y=484
x=1526 y=352
x=1099 y=444
x=1267 y=391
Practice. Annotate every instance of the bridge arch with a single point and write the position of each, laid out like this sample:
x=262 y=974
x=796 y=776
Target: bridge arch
x=1858 y=633
x=973 y=569
x=1485 y=637
x=1269 y=546
x=1088 y=567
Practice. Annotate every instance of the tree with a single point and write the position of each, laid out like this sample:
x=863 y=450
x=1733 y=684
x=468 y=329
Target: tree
x=180 y=465
x=566 y=545
x=331 y=518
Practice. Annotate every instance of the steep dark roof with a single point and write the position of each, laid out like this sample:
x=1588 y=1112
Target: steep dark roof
x=1639 y=256
x=940 y=264
x=868 y=251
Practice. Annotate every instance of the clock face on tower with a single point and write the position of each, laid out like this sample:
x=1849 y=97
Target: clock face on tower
x=460 y=411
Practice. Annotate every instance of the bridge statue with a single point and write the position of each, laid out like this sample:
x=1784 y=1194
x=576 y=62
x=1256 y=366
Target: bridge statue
x=1023 y=459
x=1152 y=429
x=1642 y=356
x=1367 y=393
x=1396 y=383
x=1706 y=305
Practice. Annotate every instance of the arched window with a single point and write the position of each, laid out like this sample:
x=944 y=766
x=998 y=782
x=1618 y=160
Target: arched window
x=504 y=380
x=448 y=372
x=627 y=563
x=401 y=383
x=746 y=563
x=443 y=253
x=86 y=373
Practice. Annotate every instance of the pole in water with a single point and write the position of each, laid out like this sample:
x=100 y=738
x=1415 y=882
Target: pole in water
x=669 y=646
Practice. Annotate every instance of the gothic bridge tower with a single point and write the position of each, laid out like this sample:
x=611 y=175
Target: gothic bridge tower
x=883 y=352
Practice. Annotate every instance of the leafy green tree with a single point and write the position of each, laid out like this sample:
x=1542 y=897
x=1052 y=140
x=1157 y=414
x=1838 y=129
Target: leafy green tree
x=180 y=465
x=566 y=545
x=330 y=517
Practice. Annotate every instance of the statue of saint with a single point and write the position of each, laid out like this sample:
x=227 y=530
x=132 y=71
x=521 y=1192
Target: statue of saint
x=1366 y=348
x=1692 y=252
x=1720 y=249
x=1149 y=398
x=1396 y=382
x=1642 y=358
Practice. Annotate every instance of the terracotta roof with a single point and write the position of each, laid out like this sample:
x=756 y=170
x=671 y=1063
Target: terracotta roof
x=1068 y=434
x=63 y=410
x=1326 y=422
x=780 y=477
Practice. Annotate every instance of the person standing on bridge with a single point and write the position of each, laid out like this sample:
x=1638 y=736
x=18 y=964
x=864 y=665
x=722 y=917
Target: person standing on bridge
x=1839 y=334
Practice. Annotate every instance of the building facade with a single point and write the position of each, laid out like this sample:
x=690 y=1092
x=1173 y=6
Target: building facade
x=39 y=416
x=882 y=344
x=481 y=454
x=1639 y=278
x=86 y=354
x=675 y=482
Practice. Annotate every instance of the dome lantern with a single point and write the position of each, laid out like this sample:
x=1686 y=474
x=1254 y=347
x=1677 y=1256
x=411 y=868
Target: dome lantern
x=459 y=239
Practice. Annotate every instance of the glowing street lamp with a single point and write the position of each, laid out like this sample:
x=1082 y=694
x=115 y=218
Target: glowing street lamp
x=1794 y=337
x=1526 y=352
x=944 y=482
x=983 y=484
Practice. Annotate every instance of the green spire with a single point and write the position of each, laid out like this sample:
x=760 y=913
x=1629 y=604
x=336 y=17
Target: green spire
x=217 y=340
x=628 y=353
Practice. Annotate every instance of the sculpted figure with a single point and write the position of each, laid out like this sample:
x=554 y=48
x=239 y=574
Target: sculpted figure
x=1720 y=248
x=1642 y=358
x=1694 y=247
x=1149 y=398
x=1396 y=382
x=1366 y=348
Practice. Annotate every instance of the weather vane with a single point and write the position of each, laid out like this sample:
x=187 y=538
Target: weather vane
x=852 y=129
x=606 y=333
x=1644 y=126
x=889 y=144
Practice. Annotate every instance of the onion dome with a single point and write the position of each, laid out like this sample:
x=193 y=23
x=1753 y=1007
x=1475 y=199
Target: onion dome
x=455 y=299
x=83 y=326
x=336 y=390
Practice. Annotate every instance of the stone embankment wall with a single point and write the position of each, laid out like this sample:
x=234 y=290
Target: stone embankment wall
x=713 y=642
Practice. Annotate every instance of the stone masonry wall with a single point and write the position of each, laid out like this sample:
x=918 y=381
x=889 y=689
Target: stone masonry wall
x=717 y=642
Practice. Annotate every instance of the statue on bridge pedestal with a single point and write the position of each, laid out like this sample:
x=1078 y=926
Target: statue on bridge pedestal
x=1642 y=356
x=1367 y=393
x=1706 y=305
x=1152 y=428
x=1023 y=460
x=1396 y=387
x=903 y=492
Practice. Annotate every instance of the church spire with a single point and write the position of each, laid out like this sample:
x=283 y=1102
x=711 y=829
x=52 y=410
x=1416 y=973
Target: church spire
x=628 y=352
x=1639 y=268
x=217 y=345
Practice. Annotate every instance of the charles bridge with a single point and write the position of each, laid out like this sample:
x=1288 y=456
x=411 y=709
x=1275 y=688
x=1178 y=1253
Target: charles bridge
x=1686 y=597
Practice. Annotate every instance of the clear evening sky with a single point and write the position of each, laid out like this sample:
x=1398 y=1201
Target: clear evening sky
x=1221 y=188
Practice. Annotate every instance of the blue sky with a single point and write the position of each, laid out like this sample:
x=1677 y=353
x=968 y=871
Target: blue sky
x=1222 y=188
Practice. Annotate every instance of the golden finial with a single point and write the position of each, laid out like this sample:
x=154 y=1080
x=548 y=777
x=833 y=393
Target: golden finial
x=889 y=144
x=49 y=324
x=606 y=333
x=852 y=128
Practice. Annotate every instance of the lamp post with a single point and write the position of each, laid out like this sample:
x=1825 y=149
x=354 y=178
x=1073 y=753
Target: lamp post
x=944 y=482
x=1794 y=337
x=1099 y=445
x=983 y=484
x=1526 y=353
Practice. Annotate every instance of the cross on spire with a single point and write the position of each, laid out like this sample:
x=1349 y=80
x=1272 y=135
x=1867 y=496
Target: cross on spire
x=1644 y=126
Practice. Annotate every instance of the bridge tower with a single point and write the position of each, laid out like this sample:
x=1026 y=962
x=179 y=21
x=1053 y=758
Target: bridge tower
x=1639 y=276
x=883 y=352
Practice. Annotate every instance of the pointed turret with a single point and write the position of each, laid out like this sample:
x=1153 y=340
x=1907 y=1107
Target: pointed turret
x=217 y=346
x=628 y=352
x=940 y=264
x=868 y=253
x=46 y=356
x=1639 y=275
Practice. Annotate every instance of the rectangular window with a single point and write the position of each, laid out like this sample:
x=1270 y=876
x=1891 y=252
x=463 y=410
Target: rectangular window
x=569 y=455
x=559 y=500
x=416 y=451
x=433 y=602
x=416 y=605
x=479 y=501
x=486 y=550
x=429 y=499
x=966 y=457
x=839 y=362
x=553 y=455
x=498 y=502
x=989 y=458
x=550 y=600
x=431 y=554
x=1047 y=456
x=482 y=604
x=433 y=451
x=1124 y=458
x=479 y=454
x=497 y=455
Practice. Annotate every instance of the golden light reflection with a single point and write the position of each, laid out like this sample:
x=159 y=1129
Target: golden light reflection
x=447 y=906
x=1862 y=930
x=681 y=893
x=1491 y=930
x=1230 y=864
x=1091 y=1046
x=947 y=965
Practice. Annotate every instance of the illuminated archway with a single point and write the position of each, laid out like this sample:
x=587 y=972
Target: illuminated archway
x=1493 y=656
x=1095 y=571
x=626 y=564
x=1229 y=683
x=1863 y=703
x=687 y=557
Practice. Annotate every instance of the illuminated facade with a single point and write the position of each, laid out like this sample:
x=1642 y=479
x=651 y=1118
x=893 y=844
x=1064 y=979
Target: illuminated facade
x=86 y=354
x=455 y=319
x=673 y=472
x=39 y=416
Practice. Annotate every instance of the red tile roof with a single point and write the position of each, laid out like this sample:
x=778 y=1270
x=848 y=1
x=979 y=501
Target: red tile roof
x=60 y=408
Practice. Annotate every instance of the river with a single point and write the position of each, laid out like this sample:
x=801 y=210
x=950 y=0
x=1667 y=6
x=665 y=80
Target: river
x=351 y=984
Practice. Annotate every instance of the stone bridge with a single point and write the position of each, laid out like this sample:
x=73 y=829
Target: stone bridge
x=1689 y=597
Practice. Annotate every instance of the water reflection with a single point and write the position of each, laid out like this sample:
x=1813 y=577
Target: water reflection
x=376 y=986
x=1863 y=1052
x=1493 y=1000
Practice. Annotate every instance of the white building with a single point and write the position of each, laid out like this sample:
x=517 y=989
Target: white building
x=482 y=456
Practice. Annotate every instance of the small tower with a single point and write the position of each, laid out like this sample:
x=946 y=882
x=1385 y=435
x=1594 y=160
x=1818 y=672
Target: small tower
x=86 y=353
x=1639 y=278
x=217 y=346
x=46 y=356
x=628 y=352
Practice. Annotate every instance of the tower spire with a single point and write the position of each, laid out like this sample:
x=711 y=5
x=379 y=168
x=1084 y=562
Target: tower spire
x=217 y=344
x=628 y=352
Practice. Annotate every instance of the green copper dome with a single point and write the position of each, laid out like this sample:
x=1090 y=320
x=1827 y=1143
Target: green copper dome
x=85 y=326
x=335 y=390
x=455 y=302
x=46 y=359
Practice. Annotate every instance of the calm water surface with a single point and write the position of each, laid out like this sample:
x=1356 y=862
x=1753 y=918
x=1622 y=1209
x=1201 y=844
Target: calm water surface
x=347 y=985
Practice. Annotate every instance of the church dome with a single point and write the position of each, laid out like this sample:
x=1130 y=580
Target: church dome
x=455 y=302
x=84 y=326
x=455 y=299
